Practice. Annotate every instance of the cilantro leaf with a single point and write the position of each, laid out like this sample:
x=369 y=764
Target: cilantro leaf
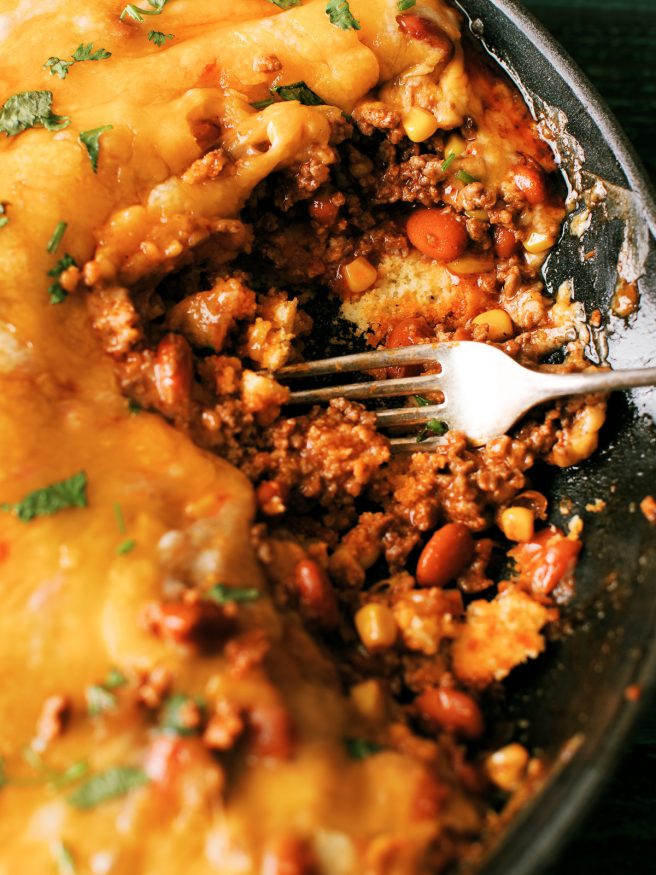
x=298 y=91
x=113 y=783
x=262 y=104
x=223 y=595
x=433 y=428
x=159 y=38
x=4 y=780
x=4 y=218
x=421 y=401
x=182 y=715
x=82 y=53
x=58 y=67
x=136 y=13
x=403 y=5
x=30 y=109
x=126 y=546
x=359 y=749
x=99 y=699
x=57 y=293
x=56 y=238
x=86 y=53
x=340 y=15
x=51 y=499
x=285 y=4
x=91 y=141
x=120 y=519
x=64 y=859
x=134 y=407
x=115 y=679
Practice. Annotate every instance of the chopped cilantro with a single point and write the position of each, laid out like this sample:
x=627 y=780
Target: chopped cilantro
x=465 y=177
x=134 y=407
x=137 y=14
x=91 y=141
x=433 y=428
x=359 y=749
x=4 y=218
x=403 y=5
x=298 y=91
x=340 y=15
x=159 y=38
x=113 y=783
x=56 y=292
x=3 y=774
x=262 y=104
x=126 y=546
x=421 y=401
x=450 y=158
x=99 y=700
x=285 y=4
x=56 y=239
x=120 y=519
x=51 y=499
x=180 y=715
x=64 y=859
x=56 y=778
x=223 y=595
x=115 y=679
x=30 y=109
x=83 y=52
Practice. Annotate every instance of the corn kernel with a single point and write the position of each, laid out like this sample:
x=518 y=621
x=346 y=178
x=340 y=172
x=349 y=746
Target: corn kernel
x=376 y=627
x=470 y=264
x=455 y=145
x=538 y=242
x=517 y=523
x=369 y=699
x=499 y=324
x=506 y=767
x=359 y=275
x=419 y=124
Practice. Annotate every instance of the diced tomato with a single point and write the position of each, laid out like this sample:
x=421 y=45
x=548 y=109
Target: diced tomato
x=546 y=560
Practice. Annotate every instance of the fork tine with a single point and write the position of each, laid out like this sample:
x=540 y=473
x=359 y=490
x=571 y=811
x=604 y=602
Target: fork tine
x=410 y=415
x=374 y=389
x=364 y=361
x=412 y=445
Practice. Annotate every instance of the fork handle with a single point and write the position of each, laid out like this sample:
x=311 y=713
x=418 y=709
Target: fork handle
x=559 y=385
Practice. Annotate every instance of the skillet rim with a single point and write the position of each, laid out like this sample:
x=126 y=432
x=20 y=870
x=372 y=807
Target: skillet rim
x=539 y=833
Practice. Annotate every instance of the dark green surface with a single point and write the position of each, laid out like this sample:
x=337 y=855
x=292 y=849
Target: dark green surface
x=614 y=42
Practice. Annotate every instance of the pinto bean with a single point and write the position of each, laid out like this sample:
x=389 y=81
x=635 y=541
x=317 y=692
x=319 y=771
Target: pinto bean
x=505 y=242
x=315 y=593
x=452 y=710
x=173 y=372
x=445 y=555
x=529 y=179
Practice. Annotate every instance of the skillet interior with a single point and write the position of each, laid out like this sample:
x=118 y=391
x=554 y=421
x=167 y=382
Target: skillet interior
x=572 y=703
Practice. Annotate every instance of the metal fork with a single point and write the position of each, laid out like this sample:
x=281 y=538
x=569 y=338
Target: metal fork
x=485 y=391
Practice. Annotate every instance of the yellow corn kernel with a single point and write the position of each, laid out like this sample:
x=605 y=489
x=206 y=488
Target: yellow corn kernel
x=499 y=324
x=517 y=523
x=469 y=264
x=506 y=767
x=376 y=627
x=359 y=275
x=369 y=699
x=419 y=124
x=455 y=145
x=537 y=242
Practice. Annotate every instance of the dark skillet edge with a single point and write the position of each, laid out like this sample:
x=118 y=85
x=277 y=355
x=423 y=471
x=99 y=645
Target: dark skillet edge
x=539 y=833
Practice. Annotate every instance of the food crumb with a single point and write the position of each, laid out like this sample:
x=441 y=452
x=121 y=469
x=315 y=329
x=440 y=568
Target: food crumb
x=648 y=508
x=575 y=526
x=596 y=506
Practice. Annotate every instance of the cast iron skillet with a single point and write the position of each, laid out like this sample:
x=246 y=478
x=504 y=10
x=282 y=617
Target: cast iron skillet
x=572 y=703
